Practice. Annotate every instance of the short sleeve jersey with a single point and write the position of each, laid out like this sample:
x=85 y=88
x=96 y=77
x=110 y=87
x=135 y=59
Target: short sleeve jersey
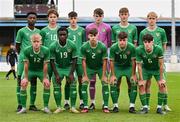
x=63 y=55
x=36 y=59
x=24 y=37
x=131 y=30
x=159 y=35
x=94 y=55
x=122 y=57
x=150 y=61
x=78 y=37
x=49 y=35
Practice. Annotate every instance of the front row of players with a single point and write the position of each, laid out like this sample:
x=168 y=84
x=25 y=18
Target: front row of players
x=123 y=60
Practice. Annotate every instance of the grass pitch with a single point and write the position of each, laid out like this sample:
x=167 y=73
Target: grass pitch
x=8 y=105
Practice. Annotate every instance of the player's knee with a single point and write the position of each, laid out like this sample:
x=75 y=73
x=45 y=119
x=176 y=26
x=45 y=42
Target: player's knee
x=142 y=88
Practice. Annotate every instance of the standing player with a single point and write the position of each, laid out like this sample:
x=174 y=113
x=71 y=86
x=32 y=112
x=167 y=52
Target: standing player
x=94 y=61
x=104 y=35
x=22 y=41
x=131 y=30
x=160 y=39
x=11 y=58
x=63 y=62
x=36 y=58
x=122 y=63
x=77 y=35
x=49 y=33
x=125 y=26
x=150 y=62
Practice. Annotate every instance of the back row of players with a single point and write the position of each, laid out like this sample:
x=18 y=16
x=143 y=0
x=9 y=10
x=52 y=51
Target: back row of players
x=68 y=51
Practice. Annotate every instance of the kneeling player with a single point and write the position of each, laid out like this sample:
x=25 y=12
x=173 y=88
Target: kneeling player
x=35 y=65
x=150 y=61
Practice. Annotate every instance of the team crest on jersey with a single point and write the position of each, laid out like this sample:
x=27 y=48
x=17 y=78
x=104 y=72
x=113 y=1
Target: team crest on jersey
x=103 y=30
x=69 y=50
x=157 y=34
x=154 y=56
x=129 y=31
x=99 y=51
x=128 y=52
x=41 y=55
x=79 y=33
x=87 y=51
x=57 y=50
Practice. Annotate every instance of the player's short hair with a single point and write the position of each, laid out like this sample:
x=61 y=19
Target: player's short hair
x=147 y=37
x=98 y=11
x=152 y=14
x=52 y=11
x=34 y=13
x=36 y=35
x=72 y=14
x=124 y=10
x=93 y=31
x=122 y=35
x=62 y=29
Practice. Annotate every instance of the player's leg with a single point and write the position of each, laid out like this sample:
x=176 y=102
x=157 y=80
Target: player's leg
x=90 y=74
x=165 y=103
x=67 y=94
x=73 y=96
x=23 y=93
x=57 y=91
x=161 y=94
x=46 y=94
x=142 y=92
x=33 y=90
x=10 y=71
x=148 y=92
x=14 y=72
x=79 y=72
x=132 y=89
x=105 y=93
x=92 y=90
x=114 y=91
x=20 y=68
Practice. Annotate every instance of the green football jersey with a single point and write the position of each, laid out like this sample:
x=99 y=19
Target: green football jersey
x=131 y=30
x=150 y=61
x=94 y=55
x=78 y=37
x=36 y=59
x=122 y=57
x=63 y=55
x=159 y=35
x=49 y=35
x=24 y=37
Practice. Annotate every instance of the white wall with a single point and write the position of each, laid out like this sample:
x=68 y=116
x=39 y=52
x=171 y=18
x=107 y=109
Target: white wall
x=7 y=8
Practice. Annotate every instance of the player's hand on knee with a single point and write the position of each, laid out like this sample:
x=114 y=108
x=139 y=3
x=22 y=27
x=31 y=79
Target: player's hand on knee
x=162 y=83
x=113 y=80
x=46 y=83
x=85 y=79
x=104 y=78
x=133 y=79
x=24 y=83
x=141 y=83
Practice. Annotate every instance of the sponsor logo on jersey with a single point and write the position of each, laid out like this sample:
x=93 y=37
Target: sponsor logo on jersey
x=154 y=56
x=117 y=53
x=31 y=55
x=129 y=31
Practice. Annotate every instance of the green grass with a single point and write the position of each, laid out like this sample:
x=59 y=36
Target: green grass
x=8 y=105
